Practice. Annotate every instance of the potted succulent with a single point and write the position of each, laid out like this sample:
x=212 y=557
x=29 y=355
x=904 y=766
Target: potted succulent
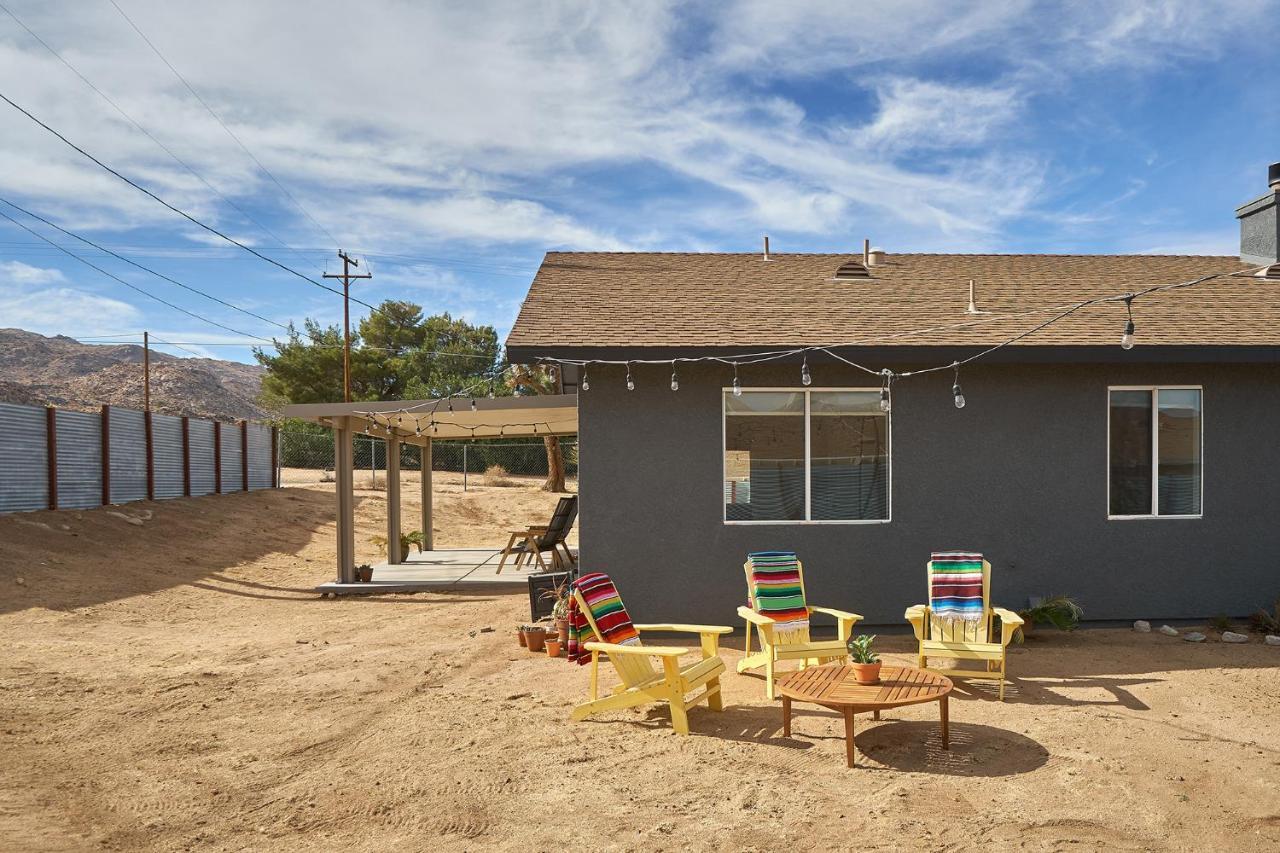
x=560 y=611
x=866 y=663
x=364 y=573
x=535 y=637
x=520 y=629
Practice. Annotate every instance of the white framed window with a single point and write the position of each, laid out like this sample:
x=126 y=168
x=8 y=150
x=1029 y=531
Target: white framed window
x=805 y=456
x=1155 y=451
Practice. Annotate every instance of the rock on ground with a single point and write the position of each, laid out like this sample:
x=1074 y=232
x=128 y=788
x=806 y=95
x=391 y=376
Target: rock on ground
x=1168 y=630
x=1233 y=637
x=1142 y=626
x=1194 y=637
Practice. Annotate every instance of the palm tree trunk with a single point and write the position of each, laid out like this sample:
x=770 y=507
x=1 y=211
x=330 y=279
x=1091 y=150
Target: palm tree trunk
x=555 y=465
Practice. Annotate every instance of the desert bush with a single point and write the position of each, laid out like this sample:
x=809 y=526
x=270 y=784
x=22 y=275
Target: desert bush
x=496 y=475
x=1264 y=622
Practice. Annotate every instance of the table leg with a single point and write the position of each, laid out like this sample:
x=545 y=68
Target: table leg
x=848 y=737
x=786 y=716
x=943 y=710
x=875 y=715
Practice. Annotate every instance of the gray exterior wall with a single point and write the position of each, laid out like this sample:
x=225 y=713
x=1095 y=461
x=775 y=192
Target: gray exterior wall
x=1020 y=474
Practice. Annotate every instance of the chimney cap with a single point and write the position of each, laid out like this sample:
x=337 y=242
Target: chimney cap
x=1273 y=175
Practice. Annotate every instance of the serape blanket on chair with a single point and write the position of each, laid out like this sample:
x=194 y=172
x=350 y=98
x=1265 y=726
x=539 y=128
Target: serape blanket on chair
x=611 y=618
x=955 y=585
x=776 y=590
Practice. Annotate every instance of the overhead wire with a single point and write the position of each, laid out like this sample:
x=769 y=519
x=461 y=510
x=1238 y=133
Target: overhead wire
x=223 y=124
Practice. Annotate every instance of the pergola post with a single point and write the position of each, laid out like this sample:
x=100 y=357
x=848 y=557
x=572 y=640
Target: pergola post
x=427 y=541
x=344 y=486
x=394 y=556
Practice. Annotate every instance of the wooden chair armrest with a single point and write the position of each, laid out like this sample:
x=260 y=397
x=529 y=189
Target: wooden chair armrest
x=918 y=616
x=844 y=620
x=755 y=618
x=616 y=649
x=1010 y=622
x=686 y=629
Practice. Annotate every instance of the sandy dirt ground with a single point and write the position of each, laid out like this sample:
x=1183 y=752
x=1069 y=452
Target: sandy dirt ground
x=173 y=683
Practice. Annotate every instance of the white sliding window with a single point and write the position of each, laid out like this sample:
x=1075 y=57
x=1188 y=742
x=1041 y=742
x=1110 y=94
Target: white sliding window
x=1154 y=453
x=805 y=456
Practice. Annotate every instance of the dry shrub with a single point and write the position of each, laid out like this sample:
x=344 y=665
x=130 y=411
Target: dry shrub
x=496 y=475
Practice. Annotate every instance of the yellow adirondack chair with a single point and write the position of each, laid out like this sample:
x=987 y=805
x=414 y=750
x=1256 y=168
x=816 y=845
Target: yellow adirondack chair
x=778 y=646
x=642 y=683
x=960 y=640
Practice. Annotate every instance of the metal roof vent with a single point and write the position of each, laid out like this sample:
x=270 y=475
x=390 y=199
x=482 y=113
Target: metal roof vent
x=1271 y=273
x=851 y=271
x=875 y=257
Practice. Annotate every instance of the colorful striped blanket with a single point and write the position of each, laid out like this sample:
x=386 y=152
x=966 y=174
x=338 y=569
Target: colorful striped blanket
x=776 y=591
x=612 y=621
x=955 y=585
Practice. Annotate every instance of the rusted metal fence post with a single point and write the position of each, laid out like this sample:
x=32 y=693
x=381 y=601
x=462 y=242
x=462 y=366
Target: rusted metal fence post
x=217 y=457
x=186 y=457
x=51 y=450
x=244 y=456
x=106 y=455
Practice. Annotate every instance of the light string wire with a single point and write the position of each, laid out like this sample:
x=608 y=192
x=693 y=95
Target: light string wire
x=887 y=376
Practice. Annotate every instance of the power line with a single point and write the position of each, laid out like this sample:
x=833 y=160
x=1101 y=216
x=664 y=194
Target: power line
x=142 y=129
x=176 y=210
x=89 y=242
x=436 y=353
x=219 y=120
x=146 y=293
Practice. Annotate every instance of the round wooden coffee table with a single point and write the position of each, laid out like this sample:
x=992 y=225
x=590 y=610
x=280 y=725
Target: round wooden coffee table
x=833 y=686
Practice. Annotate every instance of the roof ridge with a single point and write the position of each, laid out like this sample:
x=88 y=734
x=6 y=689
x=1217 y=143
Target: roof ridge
x=774 y=255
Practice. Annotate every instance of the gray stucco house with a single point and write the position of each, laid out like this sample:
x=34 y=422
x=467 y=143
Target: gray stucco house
x=1142 y=481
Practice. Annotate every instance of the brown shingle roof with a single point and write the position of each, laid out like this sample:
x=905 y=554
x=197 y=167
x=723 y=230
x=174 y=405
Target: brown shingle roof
x=671 y=300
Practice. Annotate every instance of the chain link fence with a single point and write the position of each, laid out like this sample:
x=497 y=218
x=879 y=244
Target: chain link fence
x=307 y=458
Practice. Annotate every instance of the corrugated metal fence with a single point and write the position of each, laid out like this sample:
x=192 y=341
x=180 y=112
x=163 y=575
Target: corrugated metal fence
x=52 y=459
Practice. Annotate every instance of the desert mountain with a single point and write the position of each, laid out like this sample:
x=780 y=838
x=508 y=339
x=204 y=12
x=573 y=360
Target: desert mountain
x=63 y=372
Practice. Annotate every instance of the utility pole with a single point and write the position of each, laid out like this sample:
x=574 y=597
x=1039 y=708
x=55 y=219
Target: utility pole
x=146 y=371
x=347 y=263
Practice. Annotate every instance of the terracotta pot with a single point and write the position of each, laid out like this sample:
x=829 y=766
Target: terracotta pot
x=364 y=574
x=520 y=637
x=553 y=647
x=562 y=631
x=866 y=673
x=534 y=639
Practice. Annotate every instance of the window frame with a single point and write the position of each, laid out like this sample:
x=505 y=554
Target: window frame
x=808 y=458
x=1155 y=452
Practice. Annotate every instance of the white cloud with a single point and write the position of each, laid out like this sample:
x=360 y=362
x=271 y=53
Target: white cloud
x=16 y=272
x=63 y=310
x=919 y=114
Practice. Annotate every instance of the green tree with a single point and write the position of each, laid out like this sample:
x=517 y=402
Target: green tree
x=396 y=354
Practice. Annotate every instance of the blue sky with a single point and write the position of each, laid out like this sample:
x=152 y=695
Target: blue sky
x=450 y=145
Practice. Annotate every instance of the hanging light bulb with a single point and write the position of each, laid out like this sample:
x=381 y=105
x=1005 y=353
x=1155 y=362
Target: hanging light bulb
x=418 y=430
x=535 y=429
x=1126 y=340
x=631 y=383
x=737 y=386
x=805 y=379
x=450 y=405
x=955 y=388
x=885 y=404
x=675 y=382
x=586 y=386
x=473 y=404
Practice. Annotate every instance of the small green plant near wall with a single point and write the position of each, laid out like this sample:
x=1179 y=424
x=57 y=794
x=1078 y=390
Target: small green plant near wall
x=1264 y=622
x=1061 y=611
x=413 y=537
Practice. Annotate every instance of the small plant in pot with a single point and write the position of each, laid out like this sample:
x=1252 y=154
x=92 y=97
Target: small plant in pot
x=866 y=663
x=560 y=611
x=520 y=629
x=553 y=646
x=364 y=573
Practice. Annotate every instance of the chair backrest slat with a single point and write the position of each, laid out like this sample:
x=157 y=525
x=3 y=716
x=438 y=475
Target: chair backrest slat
x=561 y=522
x=958 y=630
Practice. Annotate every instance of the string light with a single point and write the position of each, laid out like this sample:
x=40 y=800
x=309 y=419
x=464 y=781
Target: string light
x=675 y=382
x=737 y=386
x=631 y=383
x=955 y=388
x=885 y=404
x=1126 y=340
x=473 y=404
x=418 y=430
x=586 y=386
x=805 y=379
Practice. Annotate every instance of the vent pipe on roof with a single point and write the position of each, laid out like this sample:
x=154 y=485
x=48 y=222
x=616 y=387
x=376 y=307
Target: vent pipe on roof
x=766 y=247
x=875 y=257
x=866 y=252
x=973 y=300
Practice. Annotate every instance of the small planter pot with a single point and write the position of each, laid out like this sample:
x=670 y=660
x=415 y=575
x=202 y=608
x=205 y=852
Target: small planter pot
x=364 y=574
x=562 y=631
x=520 y=637
x=553 y=647
x=866 y=673
x=534 y=639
